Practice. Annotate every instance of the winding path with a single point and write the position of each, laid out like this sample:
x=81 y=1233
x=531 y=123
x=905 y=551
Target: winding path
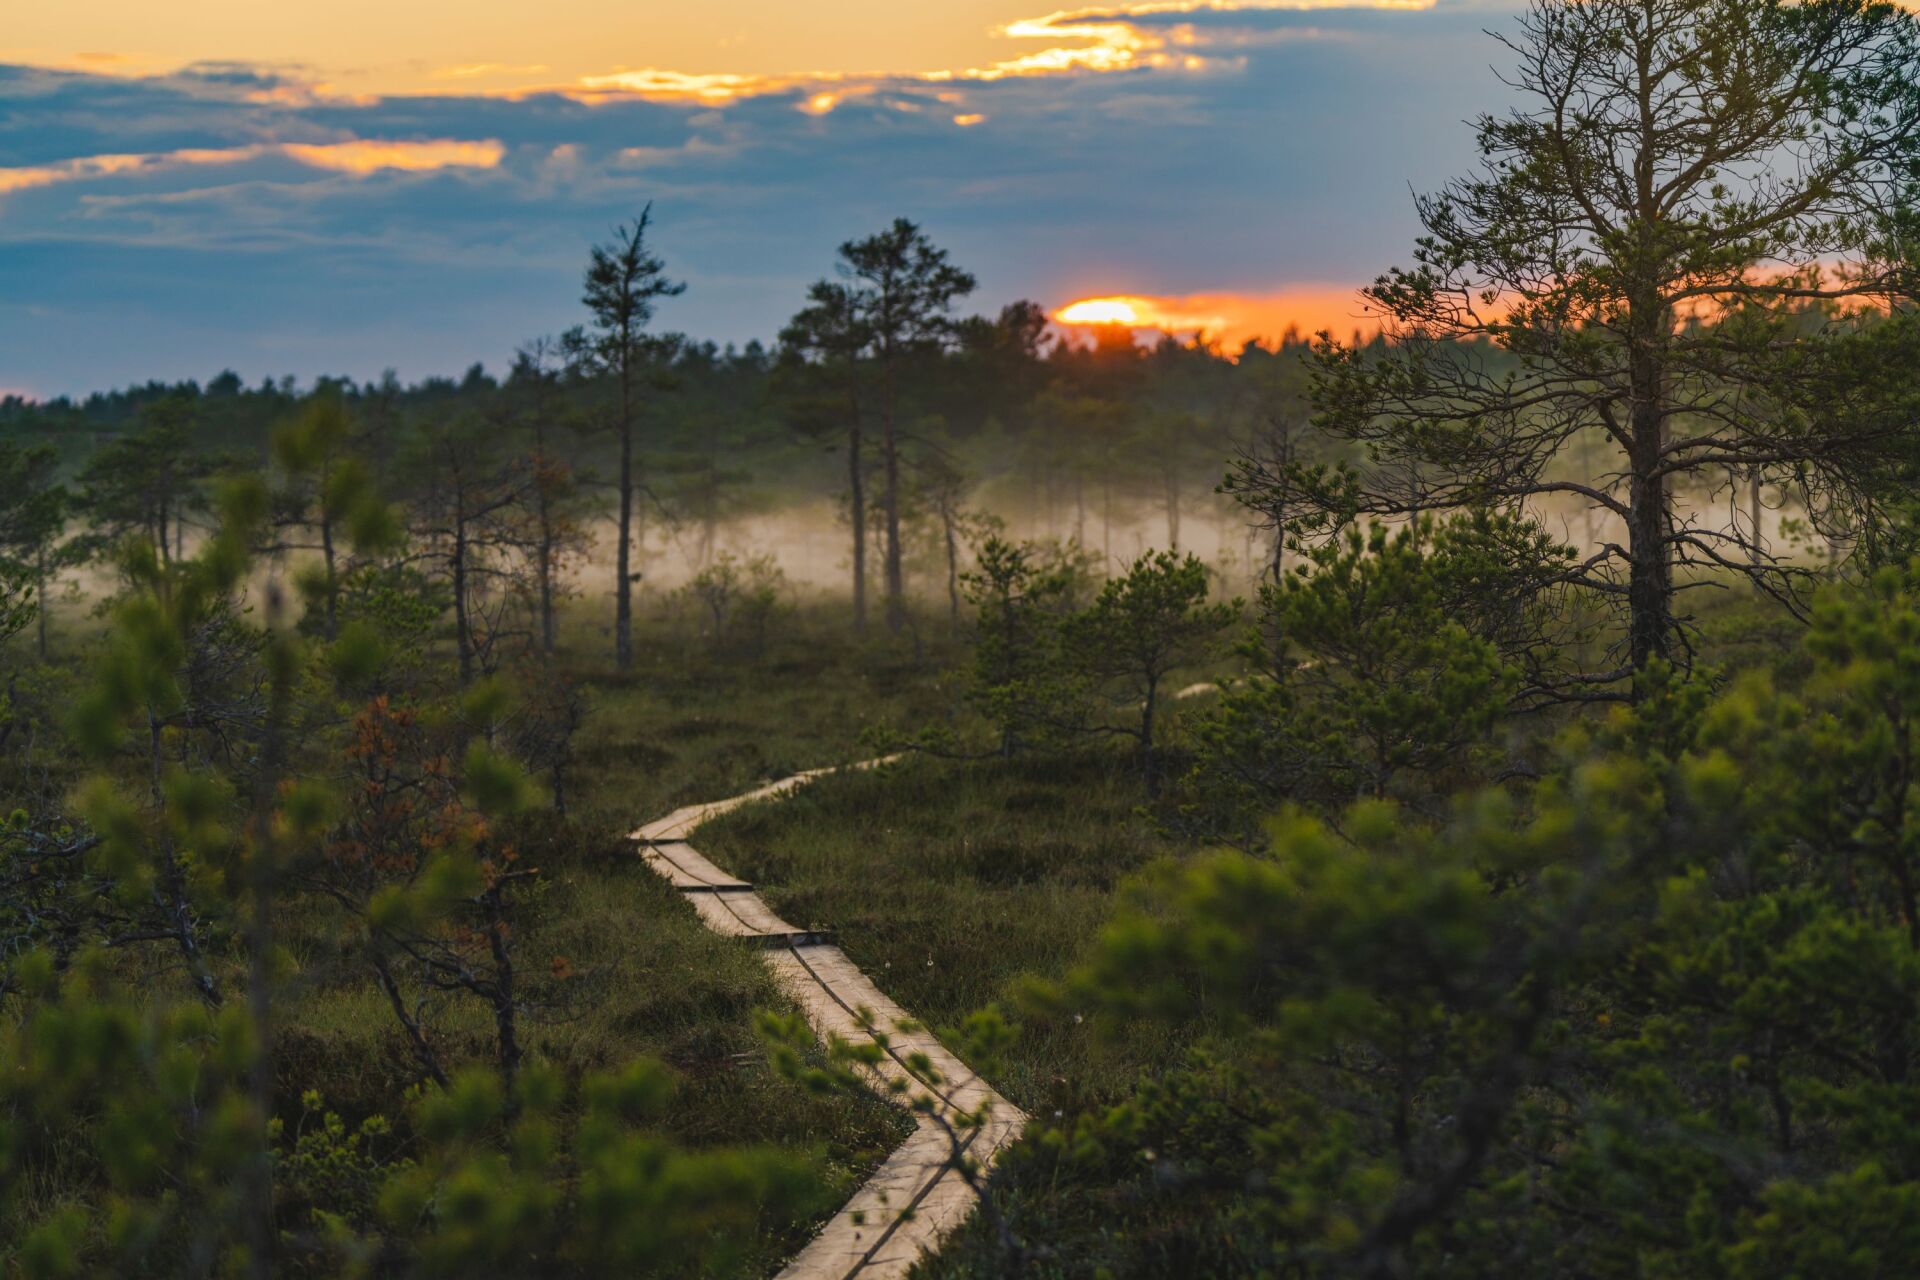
x=917 y=1196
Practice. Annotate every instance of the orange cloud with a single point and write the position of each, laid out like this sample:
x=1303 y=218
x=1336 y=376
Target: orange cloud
x=24 y=178
x=1231 y=319
x=360 y=156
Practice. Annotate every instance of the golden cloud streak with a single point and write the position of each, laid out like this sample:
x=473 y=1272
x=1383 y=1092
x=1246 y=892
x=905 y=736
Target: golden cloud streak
x=717 y=87
x=365 y=156
x=359 y=157
x=472 y=69
x=1117 y=41
x=1096 y=41
x=46 y=175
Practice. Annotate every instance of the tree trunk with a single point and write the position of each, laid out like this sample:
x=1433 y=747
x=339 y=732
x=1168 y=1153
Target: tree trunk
x=416 y=1034
x=170 y=891
x=1650 y=577
x=623 y=561
x=953 y=567
x=504 y=1010
x=896 y=572
x=857 y=481
x=333 y=582
x=42 y=576
x=546 y=578
x=457 y=561
x=1147 y=708
x=261 y=1233
x=1010 y=663
x=1106 y=521
x=710 y=512
x=544 y=473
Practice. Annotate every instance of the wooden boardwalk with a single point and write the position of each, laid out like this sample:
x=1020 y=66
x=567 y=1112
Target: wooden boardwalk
x=917 y=1195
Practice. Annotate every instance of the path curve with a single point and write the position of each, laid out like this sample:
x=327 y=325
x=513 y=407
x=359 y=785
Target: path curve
x=916 y=1196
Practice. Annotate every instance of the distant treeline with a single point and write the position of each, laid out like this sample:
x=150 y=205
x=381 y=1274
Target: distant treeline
x=948 y=426
x=1013 y=399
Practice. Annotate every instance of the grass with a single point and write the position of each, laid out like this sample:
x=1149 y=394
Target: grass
x=694 y=720
x=949 y=882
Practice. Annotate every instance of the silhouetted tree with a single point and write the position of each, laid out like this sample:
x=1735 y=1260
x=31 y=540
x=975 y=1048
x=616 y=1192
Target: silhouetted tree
x=901 y=290
x=326 y=499
x=825 y=339
x=145 y=482
x=556 y=534
x=1656 y=249
x=624 y=280
x=1144 y=625
x=467 y=495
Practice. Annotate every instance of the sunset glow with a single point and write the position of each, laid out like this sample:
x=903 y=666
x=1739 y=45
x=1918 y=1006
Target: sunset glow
x=1230 y=319
x=415 y=54
x=1131 y=312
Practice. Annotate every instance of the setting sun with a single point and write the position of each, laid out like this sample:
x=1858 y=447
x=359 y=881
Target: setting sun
x=1230 y=319
x=1094 y=311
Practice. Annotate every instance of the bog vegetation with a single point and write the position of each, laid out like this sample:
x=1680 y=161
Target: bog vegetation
x=1436 y=803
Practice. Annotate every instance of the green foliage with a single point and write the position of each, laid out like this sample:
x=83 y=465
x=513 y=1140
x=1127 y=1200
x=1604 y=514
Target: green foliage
x=33 y=515
x=327 y=503
x=1658 y=1016
x=146 y=484
x=1143 y=626
x=148 y=1106
x=516 y=1185
x=743 y=599
x=1022 y=681
x=393 y=610
x=495 y=783
x=332 y=1173
x=18 y=608
x=1384 y=665
x=513 y=1184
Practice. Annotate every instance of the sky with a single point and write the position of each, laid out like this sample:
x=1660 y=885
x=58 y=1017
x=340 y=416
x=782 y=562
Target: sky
x=350 y=186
